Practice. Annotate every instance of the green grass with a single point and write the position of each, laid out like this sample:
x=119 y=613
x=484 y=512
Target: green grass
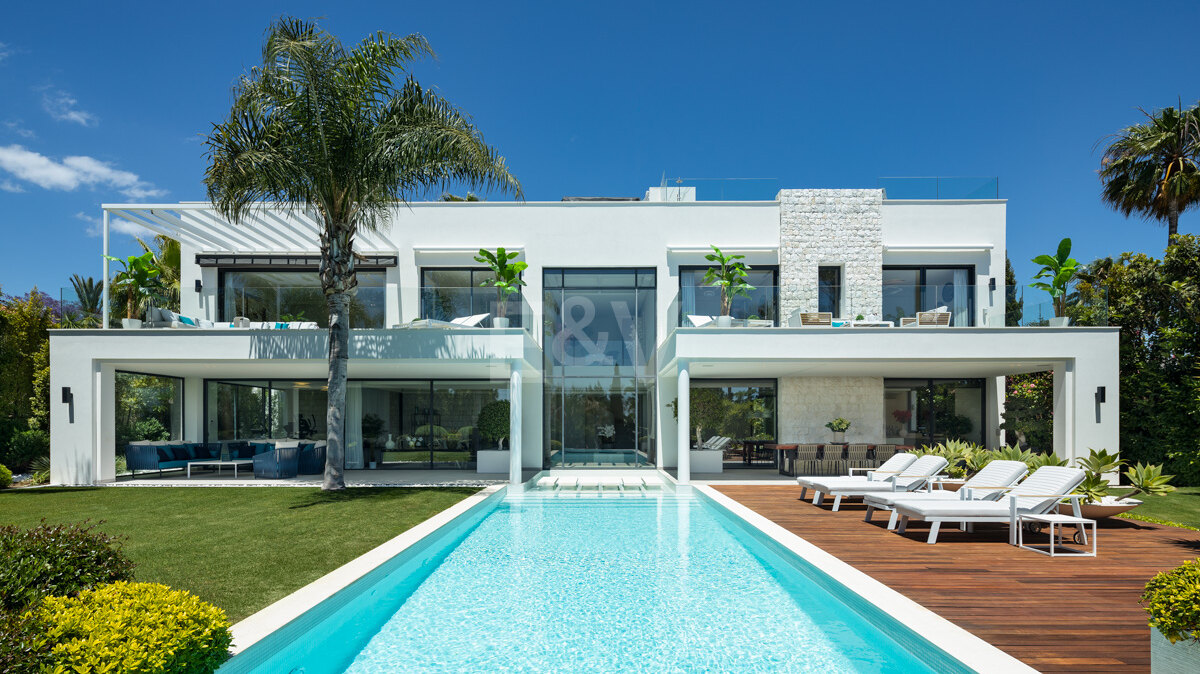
x=1180 y=507
x=242 y=548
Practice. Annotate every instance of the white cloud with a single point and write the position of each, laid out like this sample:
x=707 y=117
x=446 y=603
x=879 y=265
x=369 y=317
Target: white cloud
x=95 y=225
x=62 y=107
x=73 y=172
x=10 y=186
x=5 y=52
x=14 y=125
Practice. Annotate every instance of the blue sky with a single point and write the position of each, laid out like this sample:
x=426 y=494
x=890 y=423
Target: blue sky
x=106 y=102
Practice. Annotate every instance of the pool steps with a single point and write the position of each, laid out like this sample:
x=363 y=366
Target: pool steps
x=557 y=484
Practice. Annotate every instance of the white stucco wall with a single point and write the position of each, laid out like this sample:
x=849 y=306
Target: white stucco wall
x=806 y=404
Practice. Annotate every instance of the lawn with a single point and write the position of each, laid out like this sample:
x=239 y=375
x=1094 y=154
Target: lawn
x=1181 y=506
x=242 y=548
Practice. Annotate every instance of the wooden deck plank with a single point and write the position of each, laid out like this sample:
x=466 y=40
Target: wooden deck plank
x=1057 y=615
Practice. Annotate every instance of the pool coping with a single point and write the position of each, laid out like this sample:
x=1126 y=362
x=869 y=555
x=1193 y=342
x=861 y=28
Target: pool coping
x=957 y=642
x=256 y=627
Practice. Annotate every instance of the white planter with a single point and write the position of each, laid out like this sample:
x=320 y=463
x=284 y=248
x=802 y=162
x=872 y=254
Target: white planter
x=839 y=437
x=499 y=322
x=131 y=323
x=492 y=461
x=707 y=460
x=724 y=321
x=1060 y=322
x=1181 y=657
x=1107 y=507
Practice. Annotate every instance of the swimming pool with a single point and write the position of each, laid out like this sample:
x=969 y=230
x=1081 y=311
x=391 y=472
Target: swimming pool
x=636 y=582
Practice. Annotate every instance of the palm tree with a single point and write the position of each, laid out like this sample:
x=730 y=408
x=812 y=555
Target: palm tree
x=1151 y=169
x=90 y=294
x=325 y=129
x=167 y=255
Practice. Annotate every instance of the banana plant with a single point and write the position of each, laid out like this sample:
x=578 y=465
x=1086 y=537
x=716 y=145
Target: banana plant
x=729 y=275
x=138 y=282
x=1060 y=269
x=507 y=275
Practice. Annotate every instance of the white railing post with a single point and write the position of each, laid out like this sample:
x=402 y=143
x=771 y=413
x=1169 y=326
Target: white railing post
x=104 y=288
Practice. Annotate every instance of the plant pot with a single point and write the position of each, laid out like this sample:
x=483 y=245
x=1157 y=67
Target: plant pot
x=1059 y=322
x=1107 y=507
x=1172 y=658
x=724 y=321
x=492 y=461
x=372 y=464
x=839 y=437
x=500 y=322
x=131 y=323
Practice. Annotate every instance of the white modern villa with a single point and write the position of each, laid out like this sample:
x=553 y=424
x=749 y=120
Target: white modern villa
x=612 y=335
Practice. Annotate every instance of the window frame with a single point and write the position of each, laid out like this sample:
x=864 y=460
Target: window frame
x=922 y=268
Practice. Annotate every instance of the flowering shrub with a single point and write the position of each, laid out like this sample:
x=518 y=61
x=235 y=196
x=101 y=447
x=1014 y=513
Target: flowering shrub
x=134 y=627
x=56 y=559
x=1172 y=598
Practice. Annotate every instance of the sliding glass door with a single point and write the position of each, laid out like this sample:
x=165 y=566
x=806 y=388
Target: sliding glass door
x=928 y=411
x=908 y=290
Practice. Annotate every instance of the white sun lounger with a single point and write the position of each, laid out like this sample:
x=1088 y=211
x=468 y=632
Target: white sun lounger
x=1036 y=495
x=652 y=482
x=916 y=476
x=892 y=466
x=547 y=483
x=566 y=483
x=983 y=486
x=589 y=483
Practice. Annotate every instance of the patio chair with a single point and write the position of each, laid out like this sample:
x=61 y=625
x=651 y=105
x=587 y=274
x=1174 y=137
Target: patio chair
x=883 y=453
x=858 y=456
x=891 y=467
x=916 y=476
x=277 y=464
x=933 y=318
x=806 y=459
x=832 y=461
x=1036 y=495
x=907 y=321
x=312 y=459
x=982 y=486
x=699 y=321
x=816 y=318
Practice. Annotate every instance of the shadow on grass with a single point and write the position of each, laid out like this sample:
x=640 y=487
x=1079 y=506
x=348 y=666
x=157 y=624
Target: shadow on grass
x=319 y=498
x=45 y=490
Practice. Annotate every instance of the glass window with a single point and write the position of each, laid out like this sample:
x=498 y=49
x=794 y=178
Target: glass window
x=449 y=293
x=696 y=298
x=829 y=290
x=908 y=290
x=252 y=410
x=149 y=407
x=928 y=411
x=739 y=409
x=266 y=296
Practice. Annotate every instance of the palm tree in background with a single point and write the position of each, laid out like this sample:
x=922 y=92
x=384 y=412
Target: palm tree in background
x=1151 y=169
x=90 y=294
x=167 y=256
x=327 y=130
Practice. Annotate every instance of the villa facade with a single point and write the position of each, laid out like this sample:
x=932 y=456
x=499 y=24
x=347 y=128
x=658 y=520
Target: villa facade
x=608 y=342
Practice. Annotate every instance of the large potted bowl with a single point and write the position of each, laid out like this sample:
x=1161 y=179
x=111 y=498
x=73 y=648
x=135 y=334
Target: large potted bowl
x=1106 y=507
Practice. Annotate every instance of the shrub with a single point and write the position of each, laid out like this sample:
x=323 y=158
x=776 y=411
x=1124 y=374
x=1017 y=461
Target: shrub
x=56 y=559
x=134 y=627
x=5 y=476
x=493 y=421
x=24 y=648
x=1172 y=598
x=24 y=447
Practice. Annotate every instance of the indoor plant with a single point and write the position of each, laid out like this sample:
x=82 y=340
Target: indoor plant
x=1060 y=269
x=730 y=277
x=1098 y=503
x=136 y=283
x=506 y=282
x=838 y=426
x=1172 y=598
x=493 y=426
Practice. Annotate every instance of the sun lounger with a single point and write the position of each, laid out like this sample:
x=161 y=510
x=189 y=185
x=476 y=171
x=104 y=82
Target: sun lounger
x=699 y=321
x=983 y=486
x=892 y=466
x=567 y=483
x=547 y=483
x=916 y=476
x=460 y=322
x=1037 y=494
x=652 y=482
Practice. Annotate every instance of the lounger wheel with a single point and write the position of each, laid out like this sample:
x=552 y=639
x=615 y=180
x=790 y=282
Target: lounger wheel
x=1078 y=538
x=1034 y=528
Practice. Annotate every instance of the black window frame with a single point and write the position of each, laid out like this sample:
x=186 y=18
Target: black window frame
x=423 y=285
x=922 y=268
x=773 y=268
x=287 y=269
x=836 y=311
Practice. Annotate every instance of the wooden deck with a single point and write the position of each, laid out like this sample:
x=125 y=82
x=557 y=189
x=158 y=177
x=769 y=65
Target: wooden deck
x=1057 y=615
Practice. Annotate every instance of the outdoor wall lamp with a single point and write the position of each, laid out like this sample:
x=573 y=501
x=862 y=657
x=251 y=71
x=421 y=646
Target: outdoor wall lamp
x=992 y=284
x=67 y=396
x=1100 y=394
x=199 y=285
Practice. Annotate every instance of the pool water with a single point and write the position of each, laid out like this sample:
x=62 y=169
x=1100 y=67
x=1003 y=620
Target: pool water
x=638 y=583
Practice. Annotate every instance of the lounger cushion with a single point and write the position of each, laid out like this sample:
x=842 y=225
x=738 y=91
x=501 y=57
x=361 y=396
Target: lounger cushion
x=922 y=509
x=858 y=487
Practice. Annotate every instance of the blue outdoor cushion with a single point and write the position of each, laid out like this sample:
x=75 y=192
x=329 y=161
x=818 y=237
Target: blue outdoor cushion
x=164 y=454
x=281 y=326
x=181 y=453
x=186 y=320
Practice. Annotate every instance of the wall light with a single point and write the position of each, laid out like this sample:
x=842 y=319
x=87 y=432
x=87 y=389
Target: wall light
x=1100 y=394
x=199 y=285
x=992 y=283
x=67 y=396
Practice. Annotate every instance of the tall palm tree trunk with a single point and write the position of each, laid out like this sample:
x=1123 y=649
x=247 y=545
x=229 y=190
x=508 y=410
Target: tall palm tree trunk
x=335 y=414
x=1172 y=221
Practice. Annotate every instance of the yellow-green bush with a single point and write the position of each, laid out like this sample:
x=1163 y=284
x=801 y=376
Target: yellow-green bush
x=134 y=627
x=1172 y=598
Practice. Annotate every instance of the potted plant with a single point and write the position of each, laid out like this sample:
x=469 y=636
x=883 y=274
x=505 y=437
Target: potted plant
x=838 y=426
x=1097 y=503
x=493 y=426
x=137 y=283
x=1171 y=598
x=730 y=276
x=506 y=282
x=1060 y=269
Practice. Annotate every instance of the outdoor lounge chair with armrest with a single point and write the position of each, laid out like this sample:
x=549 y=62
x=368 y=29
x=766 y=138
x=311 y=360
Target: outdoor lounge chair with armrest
x=891 y=467
x=916 y=476
x=459 y=322
x=986 y=485
x=816 y=318
x=1036 y=495
x=699 y=321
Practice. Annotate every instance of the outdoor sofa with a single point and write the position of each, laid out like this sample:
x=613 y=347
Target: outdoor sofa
x=165 y=318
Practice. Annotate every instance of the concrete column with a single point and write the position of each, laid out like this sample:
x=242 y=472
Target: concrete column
x=391 y=297
x=514 y=427
x=1064 y=410
x=193 y=409
x=683 y=461
x=105 y=424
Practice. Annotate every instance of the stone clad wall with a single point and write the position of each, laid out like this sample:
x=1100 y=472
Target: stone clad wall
x=806 y=404
x=830 y=227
